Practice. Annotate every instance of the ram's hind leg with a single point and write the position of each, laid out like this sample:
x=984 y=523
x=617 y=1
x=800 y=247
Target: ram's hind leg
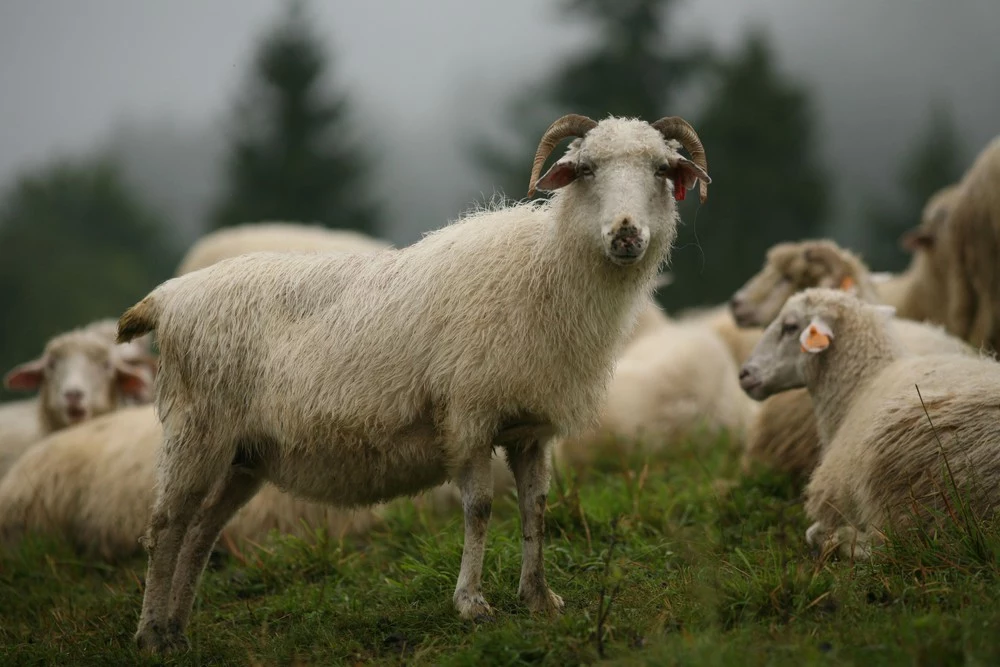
x=239 y=486
x=531 y=466
x=185 y=478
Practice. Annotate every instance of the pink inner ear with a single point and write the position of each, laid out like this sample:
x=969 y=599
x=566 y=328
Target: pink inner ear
x=26 y=377
x=558 y=176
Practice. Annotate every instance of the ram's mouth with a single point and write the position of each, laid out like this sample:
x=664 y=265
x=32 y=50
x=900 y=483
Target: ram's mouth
x=75 y=413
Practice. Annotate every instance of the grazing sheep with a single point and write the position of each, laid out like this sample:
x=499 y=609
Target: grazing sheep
x=972 y=243
x=674 y=379
x=274 y=237
x=78 y=376
x=783 y=433
x=881 y=457
x=353 y=378
x=93 y=484
x=919 y=293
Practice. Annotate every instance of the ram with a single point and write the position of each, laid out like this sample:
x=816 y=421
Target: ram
x=355 y=378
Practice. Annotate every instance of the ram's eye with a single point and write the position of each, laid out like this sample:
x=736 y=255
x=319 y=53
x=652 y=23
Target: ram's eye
x=664 y=171
x=585 y=170
x=789 y=328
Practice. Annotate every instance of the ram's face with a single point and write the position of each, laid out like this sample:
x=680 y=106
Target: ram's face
x=623 y=177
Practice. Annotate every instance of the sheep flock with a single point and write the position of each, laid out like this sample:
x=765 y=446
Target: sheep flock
x=306 y=378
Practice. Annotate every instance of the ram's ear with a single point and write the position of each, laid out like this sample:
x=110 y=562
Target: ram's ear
x=689 y=173
x=559 y=175
x=816 y=337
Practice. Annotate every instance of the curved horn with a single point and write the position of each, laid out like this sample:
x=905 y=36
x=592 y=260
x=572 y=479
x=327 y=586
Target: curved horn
x=675 y=127
x=570 y=125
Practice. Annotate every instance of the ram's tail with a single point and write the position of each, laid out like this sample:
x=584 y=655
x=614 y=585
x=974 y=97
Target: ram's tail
x=138 y=320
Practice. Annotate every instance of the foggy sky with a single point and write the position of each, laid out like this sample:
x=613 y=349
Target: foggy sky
x=424 y=73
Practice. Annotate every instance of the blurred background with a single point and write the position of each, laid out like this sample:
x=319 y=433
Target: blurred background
x=131 y=128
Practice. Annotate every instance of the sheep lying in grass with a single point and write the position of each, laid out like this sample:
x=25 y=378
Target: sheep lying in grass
x=783 y=433
x=273 y=237
x=80 y=375
x=919 y=293
x=881 y=457
x=93 y=485
x=972 y=243
x=673 y=380
x=353 y=378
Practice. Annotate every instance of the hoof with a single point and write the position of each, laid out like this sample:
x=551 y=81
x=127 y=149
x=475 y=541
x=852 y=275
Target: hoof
x=543 y=602
x=152 y=639
x=473 y=607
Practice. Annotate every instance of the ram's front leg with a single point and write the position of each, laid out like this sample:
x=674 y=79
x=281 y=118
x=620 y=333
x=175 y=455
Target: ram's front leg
x=531 y=467
x=475 y=482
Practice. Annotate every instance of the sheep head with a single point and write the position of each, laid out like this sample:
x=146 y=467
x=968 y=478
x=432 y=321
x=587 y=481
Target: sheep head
x=78 y=376
x=791 y=268
x=805 y=328
x=624 y=173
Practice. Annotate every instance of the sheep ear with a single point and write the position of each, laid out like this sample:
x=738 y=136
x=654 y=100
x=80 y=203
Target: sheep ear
x=916 y=239
x=689 y=173
x=26 y=377
x=888 y=312
x=816 y=337
x=133 y=381
x=559 y=175
x=848 y=285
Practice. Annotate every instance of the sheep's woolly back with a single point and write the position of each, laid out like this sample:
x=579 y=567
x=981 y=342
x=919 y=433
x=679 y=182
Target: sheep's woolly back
x=673 y=383
x=19 y=429
x=93 y=484
x=886 y=460
x=276 y=237
x=973 y=245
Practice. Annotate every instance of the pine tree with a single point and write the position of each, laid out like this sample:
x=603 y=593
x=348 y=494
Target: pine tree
x=768 y=183
x=630 y=70
x=76 y=244
x=934 y=160
x=292 y=157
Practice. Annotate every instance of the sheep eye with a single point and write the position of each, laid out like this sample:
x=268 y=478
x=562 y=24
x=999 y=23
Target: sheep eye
x=789 y=328
x=664 y=171
x=585 y=170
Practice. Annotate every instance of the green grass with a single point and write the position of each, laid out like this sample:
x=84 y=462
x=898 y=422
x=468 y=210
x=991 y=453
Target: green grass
x=657 y=561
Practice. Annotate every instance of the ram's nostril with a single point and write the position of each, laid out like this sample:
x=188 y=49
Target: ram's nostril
x=744 y=373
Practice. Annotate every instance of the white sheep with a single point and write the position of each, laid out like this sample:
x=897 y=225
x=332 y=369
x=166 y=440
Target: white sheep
x=93 y=485
x=673 y=380
x=783 y=433
x=972 y=243
x=353 y=379
x=273 y=237
x=882 y=461
x=80 y=375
